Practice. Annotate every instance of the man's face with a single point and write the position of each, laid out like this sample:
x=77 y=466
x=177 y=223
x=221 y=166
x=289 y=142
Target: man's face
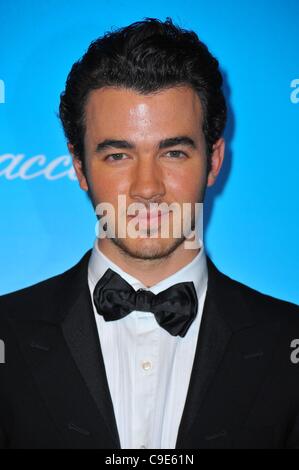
x=145 y=163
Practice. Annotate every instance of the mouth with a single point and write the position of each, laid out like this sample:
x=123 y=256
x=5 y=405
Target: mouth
x=149 y=216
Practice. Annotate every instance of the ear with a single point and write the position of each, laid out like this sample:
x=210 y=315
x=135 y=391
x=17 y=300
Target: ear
x=216 y=160
x=77 y=164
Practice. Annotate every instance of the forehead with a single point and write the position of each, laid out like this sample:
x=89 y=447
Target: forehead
x=112 y=111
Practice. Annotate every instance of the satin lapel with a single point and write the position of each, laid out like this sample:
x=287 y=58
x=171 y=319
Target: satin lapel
x=79 y=329
x=213 y=340
x=235 y=346
x=60 y=344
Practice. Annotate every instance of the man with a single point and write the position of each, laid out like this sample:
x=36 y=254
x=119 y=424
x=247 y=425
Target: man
x=144 y=343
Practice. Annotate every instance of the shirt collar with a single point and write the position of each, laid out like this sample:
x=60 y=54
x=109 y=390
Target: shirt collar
x=195 y=271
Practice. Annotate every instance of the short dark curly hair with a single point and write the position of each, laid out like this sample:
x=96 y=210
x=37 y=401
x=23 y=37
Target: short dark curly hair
x=146 y=56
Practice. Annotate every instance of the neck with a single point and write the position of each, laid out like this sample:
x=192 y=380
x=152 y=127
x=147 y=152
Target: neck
x=149 y=272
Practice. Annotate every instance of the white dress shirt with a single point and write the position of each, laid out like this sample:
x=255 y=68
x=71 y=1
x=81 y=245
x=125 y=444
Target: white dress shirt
x=148 y=370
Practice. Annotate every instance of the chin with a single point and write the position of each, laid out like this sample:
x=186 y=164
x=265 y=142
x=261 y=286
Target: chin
x=145 y=248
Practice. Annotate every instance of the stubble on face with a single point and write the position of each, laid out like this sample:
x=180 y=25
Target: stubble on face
x=151 y=250
x=154 y=119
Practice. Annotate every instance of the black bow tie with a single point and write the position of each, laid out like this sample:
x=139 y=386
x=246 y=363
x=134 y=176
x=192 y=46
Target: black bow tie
x=174 y=308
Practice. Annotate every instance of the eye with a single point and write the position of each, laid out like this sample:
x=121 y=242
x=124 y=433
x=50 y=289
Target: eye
x=115 y=157
x=176 y=154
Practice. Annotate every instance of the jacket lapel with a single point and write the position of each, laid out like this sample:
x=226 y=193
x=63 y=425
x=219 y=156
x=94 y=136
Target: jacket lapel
x=213 y=338
x=233 y=351
x=79 y=329
x=59 y=341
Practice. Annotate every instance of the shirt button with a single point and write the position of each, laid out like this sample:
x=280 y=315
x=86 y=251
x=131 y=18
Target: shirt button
x=147 y=365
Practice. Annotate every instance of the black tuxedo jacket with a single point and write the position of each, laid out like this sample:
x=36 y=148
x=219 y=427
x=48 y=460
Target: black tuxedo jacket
x=244 y=388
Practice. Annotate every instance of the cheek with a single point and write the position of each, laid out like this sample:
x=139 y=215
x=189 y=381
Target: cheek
x=106 y=186
x=185 y=185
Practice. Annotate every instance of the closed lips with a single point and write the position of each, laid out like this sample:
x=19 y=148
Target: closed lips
x=151 y=215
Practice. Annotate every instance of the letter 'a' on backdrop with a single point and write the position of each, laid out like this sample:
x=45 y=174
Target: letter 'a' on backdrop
x=251 y=215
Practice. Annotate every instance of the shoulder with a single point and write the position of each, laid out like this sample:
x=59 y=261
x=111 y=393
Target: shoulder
x=264 y=306
x=38 y=298
x=242 y=298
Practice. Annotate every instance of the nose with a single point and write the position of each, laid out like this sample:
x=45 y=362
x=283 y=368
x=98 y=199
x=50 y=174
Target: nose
x=147 y=183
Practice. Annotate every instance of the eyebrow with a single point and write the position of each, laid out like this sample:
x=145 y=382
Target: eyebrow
x=163 y=144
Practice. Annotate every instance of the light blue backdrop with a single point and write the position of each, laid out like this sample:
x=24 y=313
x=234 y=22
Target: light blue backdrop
x=47 y=223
